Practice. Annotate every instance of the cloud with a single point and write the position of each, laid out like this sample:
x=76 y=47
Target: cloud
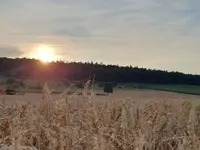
x=74 y=31
x=9 y=51
x=147 y=33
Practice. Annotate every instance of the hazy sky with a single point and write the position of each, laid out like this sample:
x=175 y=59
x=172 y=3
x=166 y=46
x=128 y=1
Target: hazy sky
x=160 y=34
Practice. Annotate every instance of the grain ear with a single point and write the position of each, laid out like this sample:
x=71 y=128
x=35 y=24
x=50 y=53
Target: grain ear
x=98 y=123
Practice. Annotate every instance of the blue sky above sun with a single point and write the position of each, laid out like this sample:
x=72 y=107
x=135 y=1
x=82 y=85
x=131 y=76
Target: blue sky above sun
x=156 y=34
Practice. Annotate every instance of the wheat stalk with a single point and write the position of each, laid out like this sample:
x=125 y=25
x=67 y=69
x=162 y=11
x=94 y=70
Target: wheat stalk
x=78 y=122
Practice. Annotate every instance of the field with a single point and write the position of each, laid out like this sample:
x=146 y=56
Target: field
x=185 y=89
x=140 y=96
x=125 y=120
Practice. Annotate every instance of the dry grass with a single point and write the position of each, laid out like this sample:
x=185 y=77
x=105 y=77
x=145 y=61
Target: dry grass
x=84 y=123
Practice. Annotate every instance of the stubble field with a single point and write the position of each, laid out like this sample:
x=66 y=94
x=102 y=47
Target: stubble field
x=140 y=96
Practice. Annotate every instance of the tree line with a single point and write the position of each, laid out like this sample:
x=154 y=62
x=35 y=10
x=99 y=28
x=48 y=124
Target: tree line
x=24 y=68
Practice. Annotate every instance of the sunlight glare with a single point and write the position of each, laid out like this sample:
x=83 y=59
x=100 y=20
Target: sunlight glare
x=45 y=53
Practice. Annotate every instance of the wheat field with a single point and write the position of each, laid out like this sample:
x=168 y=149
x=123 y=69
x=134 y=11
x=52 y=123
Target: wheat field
x=137 y=120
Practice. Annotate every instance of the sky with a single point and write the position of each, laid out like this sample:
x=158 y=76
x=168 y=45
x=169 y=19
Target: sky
x=156 y=34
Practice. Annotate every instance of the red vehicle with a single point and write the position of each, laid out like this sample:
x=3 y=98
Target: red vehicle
x=2 y=91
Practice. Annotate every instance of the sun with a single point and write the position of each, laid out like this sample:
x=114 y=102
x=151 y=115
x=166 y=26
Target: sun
x=45 y=53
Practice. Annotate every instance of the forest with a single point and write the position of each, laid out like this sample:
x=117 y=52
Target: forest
x=24 y=68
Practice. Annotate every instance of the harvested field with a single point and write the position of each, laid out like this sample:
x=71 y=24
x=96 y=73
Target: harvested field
x=138 y=95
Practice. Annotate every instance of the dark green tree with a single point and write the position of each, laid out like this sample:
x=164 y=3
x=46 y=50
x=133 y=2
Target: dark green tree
x=108 y=88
